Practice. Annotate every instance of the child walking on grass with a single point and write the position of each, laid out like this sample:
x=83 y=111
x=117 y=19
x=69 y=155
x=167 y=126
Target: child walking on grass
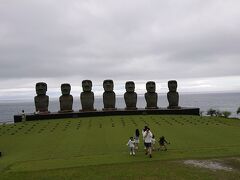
x=162 y=143
x=137 y=134
x=131 y=145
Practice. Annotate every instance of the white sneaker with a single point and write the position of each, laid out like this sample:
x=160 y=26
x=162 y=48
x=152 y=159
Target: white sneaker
x=134 y=153
x=130 y=153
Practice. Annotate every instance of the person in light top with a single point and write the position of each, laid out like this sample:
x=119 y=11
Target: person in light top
x=23 y=116
x=143 y=131
x=137 y=134
x=131 y=145
x=147 y=135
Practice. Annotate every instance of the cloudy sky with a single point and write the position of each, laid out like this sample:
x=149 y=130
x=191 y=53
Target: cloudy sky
x=195 y=42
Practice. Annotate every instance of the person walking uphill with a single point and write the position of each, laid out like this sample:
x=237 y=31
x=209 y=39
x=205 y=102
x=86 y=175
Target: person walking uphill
x=147 y=135
x=162 y=143
x=143 y=131
x=131 y=145
x=137 y=134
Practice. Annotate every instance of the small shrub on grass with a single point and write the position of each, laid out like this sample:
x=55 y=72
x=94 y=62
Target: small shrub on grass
x=211 y=112
x=226 y=114
x=219 y=113
x=238 y=111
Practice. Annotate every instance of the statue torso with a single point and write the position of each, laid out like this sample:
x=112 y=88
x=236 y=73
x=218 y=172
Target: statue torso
x=87 y=100
x=151 y=100
x=130 y=99
x=173 y=99
x=66 y=102
x=109 y=99
x=41 y=103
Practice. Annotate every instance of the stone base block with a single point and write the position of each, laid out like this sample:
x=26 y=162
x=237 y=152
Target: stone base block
x=108 y=112
x=109 y=109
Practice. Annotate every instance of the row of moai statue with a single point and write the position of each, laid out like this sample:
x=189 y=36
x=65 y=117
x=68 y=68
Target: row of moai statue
x=109 y=97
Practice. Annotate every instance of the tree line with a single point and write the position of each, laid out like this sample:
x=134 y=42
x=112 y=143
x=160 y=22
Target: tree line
x=218 y=113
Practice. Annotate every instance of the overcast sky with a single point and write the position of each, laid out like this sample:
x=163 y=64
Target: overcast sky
x=196 y=42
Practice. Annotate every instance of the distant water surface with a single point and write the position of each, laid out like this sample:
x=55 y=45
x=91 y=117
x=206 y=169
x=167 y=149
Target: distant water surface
x=222 y=101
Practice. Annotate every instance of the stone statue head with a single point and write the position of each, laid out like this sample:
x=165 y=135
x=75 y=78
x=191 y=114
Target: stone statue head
x=108 y=85
x=41 y=88
x=87 y=85
x=151 y=86
x=65 y=88
x=172 y=85
x=130 y=86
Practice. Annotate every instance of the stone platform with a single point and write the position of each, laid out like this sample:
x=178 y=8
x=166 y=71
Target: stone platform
x=56 y=115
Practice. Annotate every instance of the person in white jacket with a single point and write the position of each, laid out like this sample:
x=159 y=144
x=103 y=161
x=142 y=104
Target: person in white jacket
x=147 y=135
x=131 y=145
x=143 y=131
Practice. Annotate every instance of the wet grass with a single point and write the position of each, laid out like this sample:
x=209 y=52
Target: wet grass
x=90 y=147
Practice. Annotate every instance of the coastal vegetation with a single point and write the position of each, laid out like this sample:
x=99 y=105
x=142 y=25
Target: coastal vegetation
x=218 y=113
x=212 y=112
x=226 y=114
x=238 y=111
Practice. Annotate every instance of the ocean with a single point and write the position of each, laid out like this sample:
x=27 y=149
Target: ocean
x=221 y=101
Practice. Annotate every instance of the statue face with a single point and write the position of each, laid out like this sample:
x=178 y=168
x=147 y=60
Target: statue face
x=87 y=85
x=108 y=85
x=41 y=88
x=150 y=86
x=130 y=86
x=65 y=88
x=172 y=86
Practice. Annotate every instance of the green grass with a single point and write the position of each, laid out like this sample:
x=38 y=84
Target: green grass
x=95 y=148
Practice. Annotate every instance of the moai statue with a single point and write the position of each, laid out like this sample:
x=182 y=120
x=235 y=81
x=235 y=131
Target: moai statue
x=41 y=100
x=172 y=95
x=151 y=96
x=66 y=99
x=109 y=97
x=130 y=96
x=87 y=96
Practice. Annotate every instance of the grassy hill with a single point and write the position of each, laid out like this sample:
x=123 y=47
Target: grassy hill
x=95 y=148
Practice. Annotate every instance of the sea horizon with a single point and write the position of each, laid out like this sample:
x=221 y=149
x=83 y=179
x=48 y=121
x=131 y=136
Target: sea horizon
x=117 y=95
x=221 y=101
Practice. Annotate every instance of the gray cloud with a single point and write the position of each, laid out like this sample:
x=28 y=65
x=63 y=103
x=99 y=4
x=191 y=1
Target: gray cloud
x=59 y=41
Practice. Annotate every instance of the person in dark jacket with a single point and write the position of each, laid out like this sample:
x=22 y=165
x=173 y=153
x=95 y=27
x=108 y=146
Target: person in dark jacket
x=136 y=137
x=162 y=144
